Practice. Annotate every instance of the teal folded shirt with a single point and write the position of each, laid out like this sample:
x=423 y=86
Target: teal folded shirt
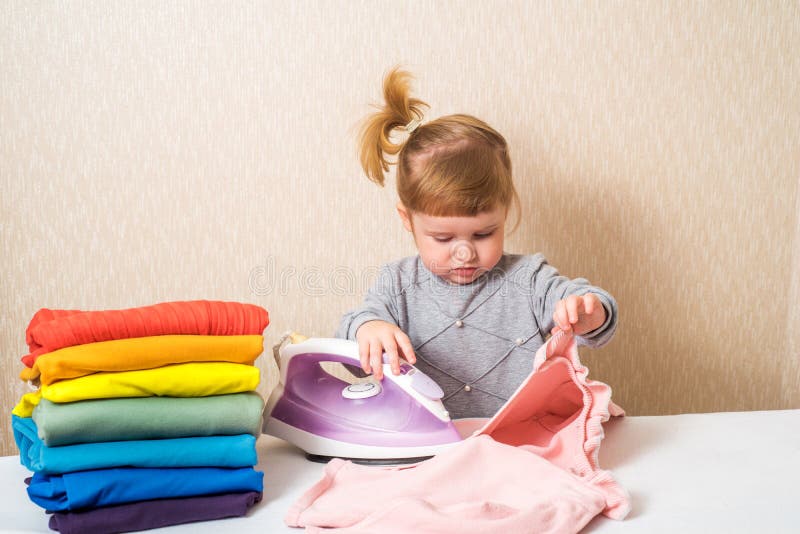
x=208 y=451
x=128 y=419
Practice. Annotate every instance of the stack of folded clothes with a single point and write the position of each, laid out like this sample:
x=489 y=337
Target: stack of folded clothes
x=143 y=417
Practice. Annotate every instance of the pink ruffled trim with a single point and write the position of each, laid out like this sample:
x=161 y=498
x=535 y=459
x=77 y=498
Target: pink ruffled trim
x=597 y=409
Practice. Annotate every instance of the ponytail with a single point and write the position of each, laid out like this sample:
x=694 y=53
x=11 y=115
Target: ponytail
x=399 y=110
x=455 y=165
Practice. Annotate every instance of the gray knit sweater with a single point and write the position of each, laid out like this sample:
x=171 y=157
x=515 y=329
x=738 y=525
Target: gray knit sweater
x=476 y=340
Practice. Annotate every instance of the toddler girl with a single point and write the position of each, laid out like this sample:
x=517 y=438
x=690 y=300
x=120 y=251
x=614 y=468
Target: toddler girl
x=463 y=311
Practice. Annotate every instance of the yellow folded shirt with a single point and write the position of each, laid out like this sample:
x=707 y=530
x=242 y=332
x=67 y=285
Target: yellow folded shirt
x=179 y=380
x=138 y=353
x=26 y=404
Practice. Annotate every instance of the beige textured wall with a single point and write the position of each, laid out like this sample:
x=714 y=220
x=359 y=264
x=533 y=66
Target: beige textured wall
x=154 y=151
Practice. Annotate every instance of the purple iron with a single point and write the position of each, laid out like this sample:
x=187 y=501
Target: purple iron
x=397 y=420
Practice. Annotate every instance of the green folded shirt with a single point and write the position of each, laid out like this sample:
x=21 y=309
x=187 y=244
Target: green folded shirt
x=92 y=421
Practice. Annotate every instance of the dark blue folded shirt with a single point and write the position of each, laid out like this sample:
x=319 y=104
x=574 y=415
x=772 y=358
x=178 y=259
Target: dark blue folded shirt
x=104 y=487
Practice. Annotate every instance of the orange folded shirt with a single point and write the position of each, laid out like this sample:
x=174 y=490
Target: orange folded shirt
x=142 y=353
x=50 y=330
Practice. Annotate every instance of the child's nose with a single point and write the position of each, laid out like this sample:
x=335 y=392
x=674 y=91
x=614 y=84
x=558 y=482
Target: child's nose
x=462 y=251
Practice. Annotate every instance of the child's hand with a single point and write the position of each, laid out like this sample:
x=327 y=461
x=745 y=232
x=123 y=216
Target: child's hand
x=580 y=314
x=376 y=337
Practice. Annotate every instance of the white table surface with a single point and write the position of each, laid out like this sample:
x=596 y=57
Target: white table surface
x=722 y=472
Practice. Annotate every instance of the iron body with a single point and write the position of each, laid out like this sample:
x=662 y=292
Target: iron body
x=399 y=419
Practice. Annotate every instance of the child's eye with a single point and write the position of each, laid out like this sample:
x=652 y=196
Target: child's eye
x=442 y=239
x=483 y=236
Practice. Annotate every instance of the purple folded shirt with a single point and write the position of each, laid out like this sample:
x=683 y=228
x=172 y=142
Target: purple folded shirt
x=145 y=515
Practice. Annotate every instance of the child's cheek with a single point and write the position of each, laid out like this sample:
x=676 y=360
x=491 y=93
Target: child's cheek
x=490 y=250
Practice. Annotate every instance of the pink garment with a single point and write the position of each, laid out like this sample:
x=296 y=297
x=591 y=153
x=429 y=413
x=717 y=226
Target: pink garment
x=479 y=486
x=532 y=468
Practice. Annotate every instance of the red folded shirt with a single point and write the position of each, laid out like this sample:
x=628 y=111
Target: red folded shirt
x=50 y=330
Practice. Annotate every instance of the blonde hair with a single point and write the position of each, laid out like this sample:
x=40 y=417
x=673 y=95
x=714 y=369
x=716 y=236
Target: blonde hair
x=456 y=165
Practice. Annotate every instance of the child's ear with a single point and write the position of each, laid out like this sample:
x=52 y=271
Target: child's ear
x=405 y=216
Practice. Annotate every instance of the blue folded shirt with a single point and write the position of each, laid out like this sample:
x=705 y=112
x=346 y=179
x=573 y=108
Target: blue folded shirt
x=208 y=451
x=104 y=487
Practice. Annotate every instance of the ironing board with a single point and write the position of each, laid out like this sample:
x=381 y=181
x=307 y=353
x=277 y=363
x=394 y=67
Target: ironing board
x=720 y=472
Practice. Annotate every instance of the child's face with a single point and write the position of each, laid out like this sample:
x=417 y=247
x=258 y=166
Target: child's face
x=457 y=249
